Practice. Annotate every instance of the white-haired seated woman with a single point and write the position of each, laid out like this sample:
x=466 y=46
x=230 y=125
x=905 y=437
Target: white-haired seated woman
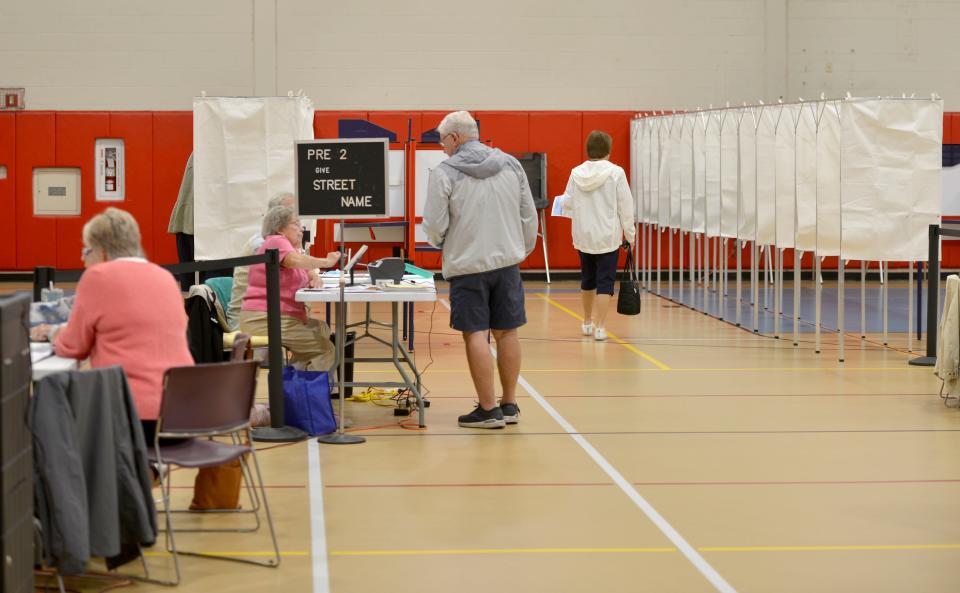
x=307 y=339
x=128 y=312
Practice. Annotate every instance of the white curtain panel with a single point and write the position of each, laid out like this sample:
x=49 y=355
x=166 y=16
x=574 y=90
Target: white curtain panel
x=729 y=173
x=676 y=138
x=767 y=175
x=712 y=172
x=747 y=215
x=243 y=156
x=699 y=173
x=786 y=188
x=641 y=163
x=806 y=167
x=686 y=172
x=891 y=170
x=653 y=195
x=663 y=193
x=856 y=178
x=828 y=179
x=636 y=176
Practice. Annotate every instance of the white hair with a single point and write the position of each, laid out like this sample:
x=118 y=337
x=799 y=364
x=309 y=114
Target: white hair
x=277 y=218
x=459 y=122
x=280 y=198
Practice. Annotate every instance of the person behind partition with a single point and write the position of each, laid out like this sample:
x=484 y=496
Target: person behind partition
x=128 y=312
x=181 y=222
x=599 y=202
x=307 y=339
x=480 y=212
x=241 y=273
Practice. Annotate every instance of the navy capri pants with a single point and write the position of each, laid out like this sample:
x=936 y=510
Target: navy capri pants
x=598 y=271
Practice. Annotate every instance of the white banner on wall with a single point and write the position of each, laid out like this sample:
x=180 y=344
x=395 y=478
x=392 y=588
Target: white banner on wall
x=243 y=156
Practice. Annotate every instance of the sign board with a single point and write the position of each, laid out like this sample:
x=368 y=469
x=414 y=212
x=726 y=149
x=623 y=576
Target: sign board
x=342 y=178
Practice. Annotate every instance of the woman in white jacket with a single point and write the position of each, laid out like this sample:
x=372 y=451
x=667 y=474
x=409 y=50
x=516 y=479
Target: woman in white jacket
x=599 y=202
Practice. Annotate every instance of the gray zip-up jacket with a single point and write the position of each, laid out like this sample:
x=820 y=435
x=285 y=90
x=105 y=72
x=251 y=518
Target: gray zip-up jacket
x=479 y=211
x=92 y=482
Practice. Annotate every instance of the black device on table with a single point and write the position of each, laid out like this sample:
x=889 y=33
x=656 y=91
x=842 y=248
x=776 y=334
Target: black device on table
x=388 y=268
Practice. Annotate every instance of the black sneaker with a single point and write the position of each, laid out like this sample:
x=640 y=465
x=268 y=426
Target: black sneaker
x=480 y=418
x=511 y=413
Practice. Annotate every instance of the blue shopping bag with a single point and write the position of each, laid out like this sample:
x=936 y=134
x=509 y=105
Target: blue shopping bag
x=306 y=401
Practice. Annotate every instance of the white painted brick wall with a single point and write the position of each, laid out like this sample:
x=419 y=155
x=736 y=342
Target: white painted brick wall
x=874 y=47
x=497 y=54
x=125 y=54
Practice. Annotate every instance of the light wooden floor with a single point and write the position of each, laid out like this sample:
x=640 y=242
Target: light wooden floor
x=772 y=468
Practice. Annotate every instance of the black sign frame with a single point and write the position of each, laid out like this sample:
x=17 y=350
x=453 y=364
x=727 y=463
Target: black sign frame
x=357 y=177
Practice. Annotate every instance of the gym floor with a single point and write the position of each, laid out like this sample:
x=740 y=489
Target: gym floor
x=681 y=455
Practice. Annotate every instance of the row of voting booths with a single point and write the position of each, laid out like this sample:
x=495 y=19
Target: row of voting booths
x=854 y=178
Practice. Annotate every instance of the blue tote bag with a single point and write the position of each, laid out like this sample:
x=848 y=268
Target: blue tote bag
x=306 y=401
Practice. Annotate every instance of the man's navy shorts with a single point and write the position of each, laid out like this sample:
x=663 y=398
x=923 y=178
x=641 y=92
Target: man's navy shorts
x=598 y=271
x=488 y=300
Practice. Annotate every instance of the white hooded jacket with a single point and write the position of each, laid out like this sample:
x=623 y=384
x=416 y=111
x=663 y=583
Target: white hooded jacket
x=599 y=201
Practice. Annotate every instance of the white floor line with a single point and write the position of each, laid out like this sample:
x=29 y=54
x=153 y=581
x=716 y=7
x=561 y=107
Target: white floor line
x=718 y=582
x=318 y=527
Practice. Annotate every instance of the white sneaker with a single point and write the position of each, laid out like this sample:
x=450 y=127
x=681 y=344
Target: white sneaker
x=587 y=328
x=600 y=334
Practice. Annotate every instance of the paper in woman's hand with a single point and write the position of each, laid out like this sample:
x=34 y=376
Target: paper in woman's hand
x=559 y=203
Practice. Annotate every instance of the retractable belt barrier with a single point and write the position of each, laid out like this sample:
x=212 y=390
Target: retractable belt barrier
x=43 y=276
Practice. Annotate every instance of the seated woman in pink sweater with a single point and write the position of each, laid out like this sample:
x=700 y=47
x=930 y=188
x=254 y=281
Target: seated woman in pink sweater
x=307 y=339
x=128 y=312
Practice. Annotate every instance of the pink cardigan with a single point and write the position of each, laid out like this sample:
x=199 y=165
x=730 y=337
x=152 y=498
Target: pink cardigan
x=129 y=312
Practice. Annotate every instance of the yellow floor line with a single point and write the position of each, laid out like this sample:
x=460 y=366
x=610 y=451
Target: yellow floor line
x=466 y=552
x=656 y=550
x=611 y=335
x=830 y=548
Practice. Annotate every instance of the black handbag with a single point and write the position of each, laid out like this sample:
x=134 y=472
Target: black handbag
x=628 y=301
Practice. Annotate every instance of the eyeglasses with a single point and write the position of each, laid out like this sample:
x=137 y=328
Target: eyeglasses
x=85 y=252
x=445 y=136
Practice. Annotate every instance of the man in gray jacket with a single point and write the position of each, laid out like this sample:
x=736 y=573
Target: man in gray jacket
x=480 y=212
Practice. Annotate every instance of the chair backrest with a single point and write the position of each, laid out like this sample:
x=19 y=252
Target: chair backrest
x=207 y=398
x=241 y=347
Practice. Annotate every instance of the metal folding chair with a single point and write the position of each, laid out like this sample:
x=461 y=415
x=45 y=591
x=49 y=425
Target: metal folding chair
x=199 y=403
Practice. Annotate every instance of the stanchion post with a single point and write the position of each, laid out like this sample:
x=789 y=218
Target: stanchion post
x=43 y=277
x=277 y=431
x=933 y=294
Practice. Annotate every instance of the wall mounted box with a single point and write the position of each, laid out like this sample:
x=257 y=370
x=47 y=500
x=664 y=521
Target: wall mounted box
x=56 y=192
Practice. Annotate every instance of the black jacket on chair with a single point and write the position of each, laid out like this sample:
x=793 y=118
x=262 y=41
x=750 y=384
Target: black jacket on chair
x=92 y=482
x=204 y=334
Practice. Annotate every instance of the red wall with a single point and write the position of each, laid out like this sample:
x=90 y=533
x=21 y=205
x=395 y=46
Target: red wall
x=158 y=144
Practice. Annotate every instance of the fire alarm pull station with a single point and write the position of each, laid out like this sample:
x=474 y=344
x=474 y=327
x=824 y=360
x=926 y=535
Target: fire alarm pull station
x=109 y=166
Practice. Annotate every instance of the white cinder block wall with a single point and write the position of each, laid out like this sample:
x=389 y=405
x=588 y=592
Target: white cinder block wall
x=497 y=54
